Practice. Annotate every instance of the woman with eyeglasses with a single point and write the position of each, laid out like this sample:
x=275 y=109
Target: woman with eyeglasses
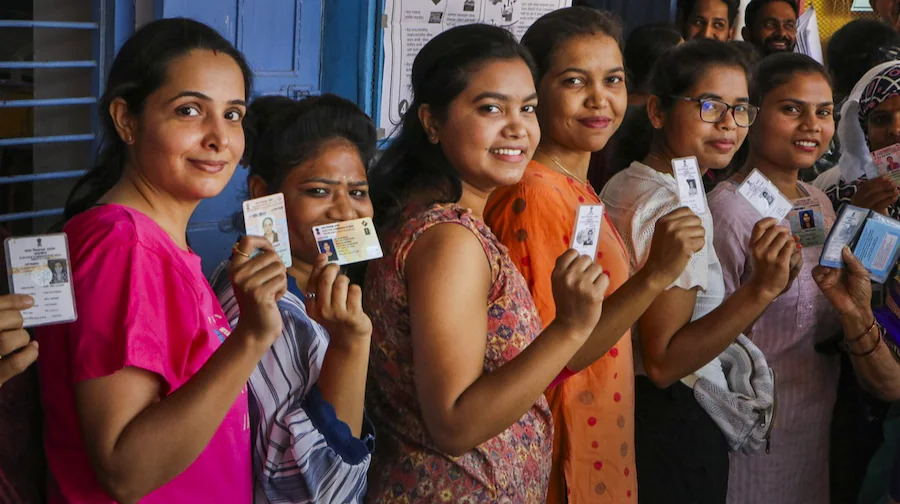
x=794 y=127
x=700 y=107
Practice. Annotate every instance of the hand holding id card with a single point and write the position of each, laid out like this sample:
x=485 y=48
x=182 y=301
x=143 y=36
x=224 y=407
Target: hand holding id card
x=762 y=195
x=874 y=239
x=690 y=185
x=348 y=242
x=588 y=221
x=39 y=267
x=267 y=217
x=887 y=162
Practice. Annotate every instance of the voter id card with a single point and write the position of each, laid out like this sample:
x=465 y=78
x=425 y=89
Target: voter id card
x=348 y=242
x=39 y=267
x=690 y=184
x=588 y=221
x=267 y=217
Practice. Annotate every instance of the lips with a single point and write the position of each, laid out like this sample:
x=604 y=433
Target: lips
x=595 y=122
x=723 y=145
x=806 y=145
x=212 y=167
x=509 y=154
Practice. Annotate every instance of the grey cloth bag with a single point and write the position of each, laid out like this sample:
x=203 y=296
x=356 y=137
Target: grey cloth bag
x=744 y=413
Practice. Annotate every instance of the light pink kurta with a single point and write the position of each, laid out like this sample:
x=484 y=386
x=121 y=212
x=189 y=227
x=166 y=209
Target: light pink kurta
x=796 y=469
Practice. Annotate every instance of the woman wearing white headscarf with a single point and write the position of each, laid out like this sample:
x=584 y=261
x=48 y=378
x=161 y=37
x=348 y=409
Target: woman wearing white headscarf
x=868 y=124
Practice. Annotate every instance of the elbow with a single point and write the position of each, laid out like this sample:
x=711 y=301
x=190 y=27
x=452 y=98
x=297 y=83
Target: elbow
x=449 y=439
x=118 y=485
x=452 y=445
x=660 y=377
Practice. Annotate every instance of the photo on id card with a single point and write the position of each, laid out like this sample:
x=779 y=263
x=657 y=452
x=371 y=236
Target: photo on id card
x=762 y=195
x=348 y=242
x=690 y=184
x=807 y=222
x=887 y=162
x=267 y=217
x=39 y=266
x=588 y=221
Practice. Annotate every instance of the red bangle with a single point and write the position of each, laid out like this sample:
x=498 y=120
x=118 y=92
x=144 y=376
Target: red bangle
x=869 y=352
x=863 y=335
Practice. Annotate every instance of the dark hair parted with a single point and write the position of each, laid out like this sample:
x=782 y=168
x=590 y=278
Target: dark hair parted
x=555 y=28
x=682 y=67
x=778 y=69
x=282 y=134
x=686 y=7
x=412 y=166
x=857 y=47
x=139 y=69
x=645 y=45
x=751 y=13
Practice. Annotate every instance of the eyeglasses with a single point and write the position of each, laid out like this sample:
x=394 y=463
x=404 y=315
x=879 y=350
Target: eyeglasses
x=713 y=111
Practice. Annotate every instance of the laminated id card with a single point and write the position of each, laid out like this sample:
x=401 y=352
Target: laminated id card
x=39 y=267
x=690 y=185
x=588 y=221
x=267 y=217
x=348 y=242
x=887 y=162
x=762 y=195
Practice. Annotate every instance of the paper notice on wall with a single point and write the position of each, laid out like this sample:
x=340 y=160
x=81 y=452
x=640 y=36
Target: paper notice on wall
x=410 y=24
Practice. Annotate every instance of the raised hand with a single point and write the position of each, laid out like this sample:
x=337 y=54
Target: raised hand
x=259 y=282
x=579 y=287
x=678 y=236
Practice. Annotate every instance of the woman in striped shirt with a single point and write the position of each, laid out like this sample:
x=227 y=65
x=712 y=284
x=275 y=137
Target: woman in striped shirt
x=311 y=441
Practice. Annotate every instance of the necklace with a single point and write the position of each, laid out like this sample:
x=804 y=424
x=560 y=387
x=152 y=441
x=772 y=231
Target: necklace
x=563 y=168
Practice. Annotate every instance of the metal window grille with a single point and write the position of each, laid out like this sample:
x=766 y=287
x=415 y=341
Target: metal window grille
x=87 y=104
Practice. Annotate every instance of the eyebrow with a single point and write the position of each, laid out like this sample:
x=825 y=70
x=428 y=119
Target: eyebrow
x=801 y=102
x=713 y=96
x=201 y=96
x=322 y=180
x=500 y=97
x=583 y=71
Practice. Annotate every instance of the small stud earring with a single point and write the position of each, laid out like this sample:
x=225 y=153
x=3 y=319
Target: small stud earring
x=129 y=139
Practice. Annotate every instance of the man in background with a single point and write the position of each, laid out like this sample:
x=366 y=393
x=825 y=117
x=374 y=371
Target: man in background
x=708 y=19
x=771 y=25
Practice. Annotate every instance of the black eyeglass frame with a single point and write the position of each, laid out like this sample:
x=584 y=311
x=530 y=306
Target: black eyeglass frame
x=752 y=110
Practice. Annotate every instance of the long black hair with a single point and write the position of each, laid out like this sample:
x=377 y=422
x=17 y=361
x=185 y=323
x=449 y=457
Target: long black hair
x=413 y=166
x=140 y=69
x=282 y=133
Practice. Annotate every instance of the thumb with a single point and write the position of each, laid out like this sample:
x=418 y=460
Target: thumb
x=854 y=265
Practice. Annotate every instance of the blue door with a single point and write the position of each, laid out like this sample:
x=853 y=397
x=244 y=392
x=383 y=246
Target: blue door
x=282 y=42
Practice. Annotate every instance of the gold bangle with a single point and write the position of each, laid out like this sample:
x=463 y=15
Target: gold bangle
x=236 y=250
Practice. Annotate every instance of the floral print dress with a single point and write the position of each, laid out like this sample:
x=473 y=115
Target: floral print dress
x=407 y=467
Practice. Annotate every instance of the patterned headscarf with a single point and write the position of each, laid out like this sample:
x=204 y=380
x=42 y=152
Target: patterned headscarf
x=879 y=84
x=884 y=86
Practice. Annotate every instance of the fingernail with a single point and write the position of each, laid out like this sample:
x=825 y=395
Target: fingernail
x=799 y=246
x=35 y=344
x=28 y=301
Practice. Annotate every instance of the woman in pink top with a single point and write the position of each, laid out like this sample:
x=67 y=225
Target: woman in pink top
x=144 y=395
x=794 y=126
